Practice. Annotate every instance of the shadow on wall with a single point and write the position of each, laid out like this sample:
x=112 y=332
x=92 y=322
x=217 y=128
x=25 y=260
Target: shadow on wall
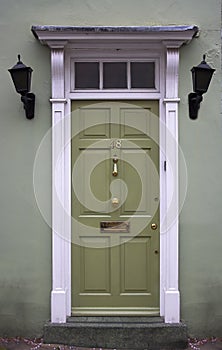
x=205 y=316
x=17 y=313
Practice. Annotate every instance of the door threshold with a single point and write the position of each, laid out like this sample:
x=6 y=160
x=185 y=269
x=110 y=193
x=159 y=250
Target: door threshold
x=110 y=311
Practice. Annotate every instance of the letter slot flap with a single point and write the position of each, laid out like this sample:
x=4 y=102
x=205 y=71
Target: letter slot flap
x=114 y=226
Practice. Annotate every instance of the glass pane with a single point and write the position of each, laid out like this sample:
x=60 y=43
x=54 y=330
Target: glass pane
x=87 y=75
x=114 y=75
x=143 y=75
x=21 y=80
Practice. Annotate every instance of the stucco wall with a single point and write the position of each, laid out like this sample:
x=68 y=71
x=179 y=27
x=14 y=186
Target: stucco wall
x=25 y=245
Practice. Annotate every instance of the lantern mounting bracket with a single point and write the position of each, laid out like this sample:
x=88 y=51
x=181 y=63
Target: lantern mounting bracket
x=29 y=104
x=194 y=100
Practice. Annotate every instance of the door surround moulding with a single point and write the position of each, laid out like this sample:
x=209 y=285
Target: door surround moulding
x=63 y=42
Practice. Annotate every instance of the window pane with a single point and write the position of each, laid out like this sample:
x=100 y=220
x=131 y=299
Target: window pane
x=143 y=75
x=114 y=75
x=87 y=75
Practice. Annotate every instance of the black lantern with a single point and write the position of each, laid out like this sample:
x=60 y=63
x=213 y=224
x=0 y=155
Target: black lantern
x=201 y=76
x=21 y=76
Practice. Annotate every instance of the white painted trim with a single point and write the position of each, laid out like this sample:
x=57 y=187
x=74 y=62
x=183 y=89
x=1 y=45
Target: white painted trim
x=61 y=192
x=166 y=44
x=58 y=100
x=171 y=253
x=101 y=95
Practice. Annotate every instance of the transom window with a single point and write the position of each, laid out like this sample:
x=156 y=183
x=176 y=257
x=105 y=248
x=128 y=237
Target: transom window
x=104 y=75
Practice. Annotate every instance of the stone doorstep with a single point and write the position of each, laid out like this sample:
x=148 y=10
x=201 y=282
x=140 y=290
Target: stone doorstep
x=115 y=319
x=118 y=333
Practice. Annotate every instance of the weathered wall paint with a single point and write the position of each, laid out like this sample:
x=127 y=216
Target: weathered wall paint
x=25 y=246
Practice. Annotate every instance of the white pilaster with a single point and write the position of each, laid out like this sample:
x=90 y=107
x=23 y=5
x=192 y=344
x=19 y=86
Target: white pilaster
x=60 y=307
x=172 y=295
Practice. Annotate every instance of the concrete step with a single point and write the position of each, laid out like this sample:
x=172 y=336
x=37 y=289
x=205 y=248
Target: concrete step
x=115 y=319
x=118 y=333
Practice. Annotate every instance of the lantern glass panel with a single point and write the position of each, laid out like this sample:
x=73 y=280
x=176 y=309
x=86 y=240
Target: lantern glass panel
x=201 y=80
x=22 y=80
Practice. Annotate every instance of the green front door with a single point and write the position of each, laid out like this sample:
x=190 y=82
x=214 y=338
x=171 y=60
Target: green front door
x=115 y=208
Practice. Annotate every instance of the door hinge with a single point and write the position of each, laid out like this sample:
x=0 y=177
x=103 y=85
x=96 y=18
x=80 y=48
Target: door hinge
x=165 y=165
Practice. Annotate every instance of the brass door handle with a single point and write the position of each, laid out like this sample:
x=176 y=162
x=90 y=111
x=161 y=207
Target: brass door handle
x=115 y=169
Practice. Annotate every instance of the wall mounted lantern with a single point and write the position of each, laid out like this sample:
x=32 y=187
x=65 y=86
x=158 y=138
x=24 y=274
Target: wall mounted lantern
x=201 y=76
x=21 y=77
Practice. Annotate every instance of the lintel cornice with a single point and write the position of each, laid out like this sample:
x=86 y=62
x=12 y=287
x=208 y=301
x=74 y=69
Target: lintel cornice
x=49 y=34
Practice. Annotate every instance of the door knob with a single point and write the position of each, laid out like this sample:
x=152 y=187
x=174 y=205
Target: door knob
x=154 y=226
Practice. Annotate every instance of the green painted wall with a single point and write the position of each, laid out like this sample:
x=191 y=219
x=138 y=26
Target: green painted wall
x=25 y=239
x=201 y=220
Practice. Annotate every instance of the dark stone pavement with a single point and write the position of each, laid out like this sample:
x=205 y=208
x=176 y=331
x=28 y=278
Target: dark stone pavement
x=28 y=344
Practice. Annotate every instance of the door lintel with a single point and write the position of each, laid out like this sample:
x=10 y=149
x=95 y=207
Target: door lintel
x=48 y=34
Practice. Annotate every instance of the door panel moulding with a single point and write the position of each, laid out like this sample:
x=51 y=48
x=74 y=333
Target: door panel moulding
x=67 y=43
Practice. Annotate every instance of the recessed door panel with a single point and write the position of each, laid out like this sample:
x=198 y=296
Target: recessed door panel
x=136 y=266
x=95 y=270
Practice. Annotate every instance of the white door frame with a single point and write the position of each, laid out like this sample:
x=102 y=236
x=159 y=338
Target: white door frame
x=164 y=43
